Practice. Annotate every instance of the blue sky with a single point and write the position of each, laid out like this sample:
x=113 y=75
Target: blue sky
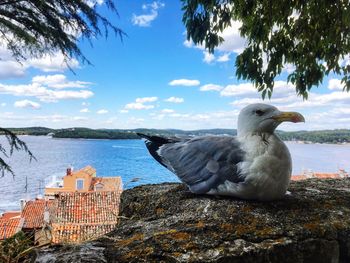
x=153 y=79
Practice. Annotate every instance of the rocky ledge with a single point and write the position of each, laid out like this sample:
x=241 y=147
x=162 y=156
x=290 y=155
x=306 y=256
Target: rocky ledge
x=166 y=223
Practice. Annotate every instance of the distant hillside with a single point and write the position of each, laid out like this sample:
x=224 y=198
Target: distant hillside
x=31 y=131
x=85 y=133
x=324 y=136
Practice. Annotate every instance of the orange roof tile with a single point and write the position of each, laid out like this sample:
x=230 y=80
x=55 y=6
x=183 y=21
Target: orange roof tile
x=71 y=233
x=87 y=207
x=84 y=215
x=33 y=212
x=341 y=174
x=326 y=175
x=88 y=170
x=10 y=214
x=298 y=177
x=9 y=225
x=109 y=183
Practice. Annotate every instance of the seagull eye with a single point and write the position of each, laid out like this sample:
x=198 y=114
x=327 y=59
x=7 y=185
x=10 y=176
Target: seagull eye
x=259 y=112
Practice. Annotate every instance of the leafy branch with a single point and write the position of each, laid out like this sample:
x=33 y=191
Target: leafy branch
x=14 y=144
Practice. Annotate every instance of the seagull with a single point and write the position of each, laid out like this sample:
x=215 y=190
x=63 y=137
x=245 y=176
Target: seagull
x=254 y=165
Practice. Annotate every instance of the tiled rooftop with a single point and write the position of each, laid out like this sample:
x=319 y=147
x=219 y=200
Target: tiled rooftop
x=307 y=175
x=88 y=170
x=10 y=214
x=10 y=224
x=108 y=183
x=83 y=215
x=71 y=233
x=87 y=207
x=33 y=212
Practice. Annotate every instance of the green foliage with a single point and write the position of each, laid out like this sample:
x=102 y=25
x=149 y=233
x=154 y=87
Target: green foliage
x=14 y=144
x=36 y=27
x=310 y=35
x=84 y=133
x=18 y=248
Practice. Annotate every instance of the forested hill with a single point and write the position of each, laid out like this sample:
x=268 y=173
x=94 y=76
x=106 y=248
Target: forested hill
x=324 y=136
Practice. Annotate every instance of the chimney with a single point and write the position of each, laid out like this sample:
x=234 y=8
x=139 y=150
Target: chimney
x=22 y=204
x=69 y=171
x=46 y=214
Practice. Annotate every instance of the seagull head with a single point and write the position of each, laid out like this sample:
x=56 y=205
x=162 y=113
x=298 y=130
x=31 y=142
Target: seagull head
x=263 y=118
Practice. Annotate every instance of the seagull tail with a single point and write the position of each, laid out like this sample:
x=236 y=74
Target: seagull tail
x=153 y=144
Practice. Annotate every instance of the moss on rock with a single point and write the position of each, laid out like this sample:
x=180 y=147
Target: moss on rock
x=166 y=223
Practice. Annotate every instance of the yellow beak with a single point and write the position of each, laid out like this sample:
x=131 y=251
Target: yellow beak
x=289 y=116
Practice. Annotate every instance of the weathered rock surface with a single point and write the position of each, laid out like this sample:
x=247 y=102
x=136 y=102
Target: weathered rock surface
x=166 y=223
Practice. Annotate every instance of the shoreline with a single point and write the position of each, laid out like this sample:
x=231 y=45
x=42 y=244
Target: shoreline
x=117 y=139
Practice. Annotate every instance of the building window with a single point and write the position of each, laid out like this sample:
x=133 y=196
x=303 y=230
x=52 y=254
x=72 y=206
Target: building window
x=98 y=187
x=80 y=184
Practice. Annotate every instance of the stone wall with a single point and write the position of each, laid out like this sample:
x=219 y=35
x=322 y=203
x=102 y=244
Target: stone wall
x=166 y=223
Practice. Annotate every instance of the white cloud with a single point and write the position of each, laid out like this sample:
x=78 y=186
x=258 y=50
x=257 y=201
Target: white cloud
x=111 y=120
x=184 y=82
x=210 y=87
x=102 y=111
x=3 y=104
x=145 y=20
x=238 y=90
x=345 y=61
x=59 y=81
x=27 y=104
x=216 y=119
x=289 y=68
x=11 y=69
x=84 y=103
x=208 y=57
x=281 y=89
x=335 y=84
x=174 y=100
x=85 y=110
x=146 y=99
x=138 y=106
x=43 y=93
x=224 y=58
x=188 y=43
x=167 y=111
x=233 y=43
x=135 y=122
x=79 y=118
x=92 y=3
x=51 y=63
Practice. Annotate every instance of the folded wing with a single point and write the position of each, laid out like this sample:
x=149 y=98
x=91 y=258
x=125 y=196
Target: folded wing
x=202 y=163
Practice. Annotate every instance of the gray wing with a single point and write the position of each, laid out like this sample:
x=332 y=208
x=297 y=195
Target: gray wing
x=205 y=162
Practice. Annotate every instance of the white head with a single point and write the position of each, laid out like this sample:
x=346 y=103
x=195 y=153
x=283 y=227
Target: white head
x=263 y=118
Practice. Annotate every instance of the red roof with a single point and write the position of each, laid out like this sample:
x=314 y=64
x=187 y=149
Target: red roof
x=10 y=224
x=10 y=214
x=33 y=212
x=70 y=233
x=85 y=215
x=88 y=207
x=107 y=183
x=341 y=174
x=298 y=177
x=326 y=175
